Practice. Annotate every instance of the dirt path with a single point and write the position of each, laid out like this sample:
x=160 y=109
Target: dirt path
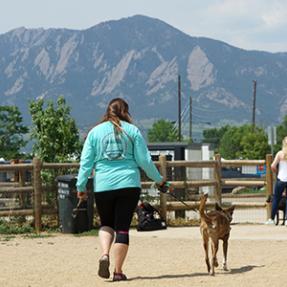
x=163 y=258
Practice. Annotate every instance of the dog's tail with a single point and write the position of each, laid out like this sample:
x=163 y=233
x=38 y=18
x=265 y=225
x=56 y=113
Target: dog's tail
x=202 y=213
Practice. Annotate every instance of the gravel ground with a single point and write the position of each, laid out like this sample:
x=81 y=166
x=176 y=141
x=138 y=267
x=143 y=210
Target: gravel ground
x=173 y=257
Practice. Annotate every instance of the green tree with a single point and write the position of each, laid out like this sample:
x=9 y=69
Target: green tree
x=162 y=131
x=12 y=132
x=214 y=135
x=230 y=143
x=54 y=130
x=281 y=134
x=255 y=144
x=244 y=142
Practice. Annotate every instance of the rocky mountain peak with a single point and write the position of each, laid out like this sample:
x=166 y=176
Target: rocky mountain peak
x=139 y=58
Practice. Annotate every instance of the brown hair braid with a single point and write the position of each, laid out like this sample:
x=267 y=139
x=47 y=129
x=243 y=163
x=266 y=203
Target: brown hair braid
x=117 y=110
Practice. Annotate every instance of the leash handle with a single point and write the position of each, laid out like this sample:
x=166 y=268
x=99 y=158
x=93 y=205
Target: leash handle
x=164 y=188
x=78 y=208
x=79 y=203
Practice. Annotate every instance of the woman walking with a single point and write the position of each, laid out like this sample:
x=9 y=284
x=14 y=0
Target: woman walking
x=116 y=150
x=279 y=166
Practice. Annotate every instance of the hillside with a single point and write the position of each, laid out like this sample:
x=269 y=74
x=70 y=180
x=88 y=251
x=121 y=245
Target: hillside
x=139 y=58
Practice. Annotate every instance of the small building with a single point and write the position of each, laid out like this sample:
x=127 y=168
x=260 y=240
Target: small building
x=185 y=151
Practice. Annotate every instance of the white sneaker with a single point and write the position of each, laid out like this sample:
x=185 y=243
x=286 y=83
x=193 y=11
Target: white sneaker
x=285 y=223
x=270 y=222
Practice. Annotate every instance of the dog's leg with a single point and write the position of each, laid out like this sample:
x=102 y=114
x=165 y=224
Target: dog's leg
x=214 y=248
x=225 y=247
x=283 y=208
x=284 y=216
x=205 y=245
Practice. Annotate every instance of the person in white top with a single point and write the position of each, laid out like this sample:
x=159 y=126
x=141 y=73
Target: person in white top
x=279 y=166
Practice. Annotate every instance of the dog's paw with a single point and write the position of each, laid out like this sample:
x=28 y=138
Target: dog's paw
x=224 y=267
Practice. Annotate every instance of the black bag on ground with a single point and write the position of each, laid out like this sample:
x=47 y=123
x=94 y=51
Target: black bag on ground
x=149 y=218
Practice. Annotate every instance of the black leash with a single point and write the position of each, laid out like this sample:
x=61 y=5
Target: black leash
x=165 y=189
x=181 y=201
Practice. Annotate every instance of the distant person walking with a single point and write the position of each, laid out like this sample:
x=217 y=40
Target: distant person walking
x=279 y=166
x=116 y=150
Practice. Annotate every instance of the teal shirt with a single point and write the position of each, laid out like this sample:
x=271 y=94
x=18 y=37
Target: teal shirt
x=116 y=158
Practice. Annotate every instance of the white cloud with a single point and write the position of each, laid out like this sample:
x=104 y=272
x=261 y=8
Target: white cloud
x=248 y=24
x=230 y=7
x=275 y=17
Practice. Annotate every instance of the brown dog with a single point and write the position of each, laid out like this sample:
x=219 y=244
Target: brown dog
x=215 y=225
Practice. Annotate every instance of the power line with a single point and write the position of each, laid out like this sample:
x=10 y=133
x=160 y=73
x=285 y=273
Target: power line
x=206 y=110
x=182 y=117
x=190 y=118
x=179 y=109
x=254 y=104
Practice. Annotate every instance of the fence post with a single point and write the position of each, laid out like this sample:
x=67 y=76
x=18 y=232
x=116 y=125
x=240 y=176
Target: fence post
x=37 y=184
x=217 y=177
x=24 y=197
x=269 y=183
x=162 y=198
x=18 y=178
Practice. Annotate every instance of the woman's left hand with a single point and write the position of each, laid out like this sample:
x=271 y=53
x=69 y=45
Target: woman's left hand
x=165 y=187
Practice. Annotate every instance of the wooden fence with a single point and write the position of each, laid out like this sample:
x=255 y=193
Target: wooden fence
x=35 y=187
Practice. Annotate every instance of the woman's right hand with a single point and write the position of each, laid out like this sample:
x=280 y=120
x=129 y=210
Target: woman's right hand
x=82 y=195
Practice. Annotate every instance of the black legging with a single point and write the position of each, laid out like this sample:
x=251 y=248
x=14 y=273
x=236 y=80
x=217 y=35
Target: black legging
x=116 y=207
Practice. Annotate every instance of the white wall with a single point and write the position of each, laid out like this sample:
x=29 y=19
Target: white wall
x=207 y=173
x=193 y=154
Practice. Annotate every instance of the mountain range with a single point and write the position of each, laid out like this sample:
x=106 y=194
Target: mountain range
x=139 y=58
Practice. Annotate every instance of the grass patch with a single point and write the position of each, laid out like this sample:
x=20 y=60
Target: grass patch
x=20 y=225
x=251 y=191
x=93 y=232
x=36 y=235
x=13 y=227
x=7 y=237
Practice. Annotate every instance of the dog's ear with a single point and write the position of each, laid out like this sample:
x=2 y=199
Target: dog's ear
x=218 y=207
x=230 y=209
x=204 y=197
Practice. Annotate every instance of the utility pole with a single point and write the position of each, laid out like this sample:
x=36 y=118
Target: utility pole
x=190 y=119
x=179 y=109
x=254 y=104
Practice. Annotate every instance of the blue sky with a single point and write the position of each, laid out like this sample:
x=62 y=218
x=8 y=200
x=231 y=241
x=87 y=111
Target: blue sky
x=248 y=24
